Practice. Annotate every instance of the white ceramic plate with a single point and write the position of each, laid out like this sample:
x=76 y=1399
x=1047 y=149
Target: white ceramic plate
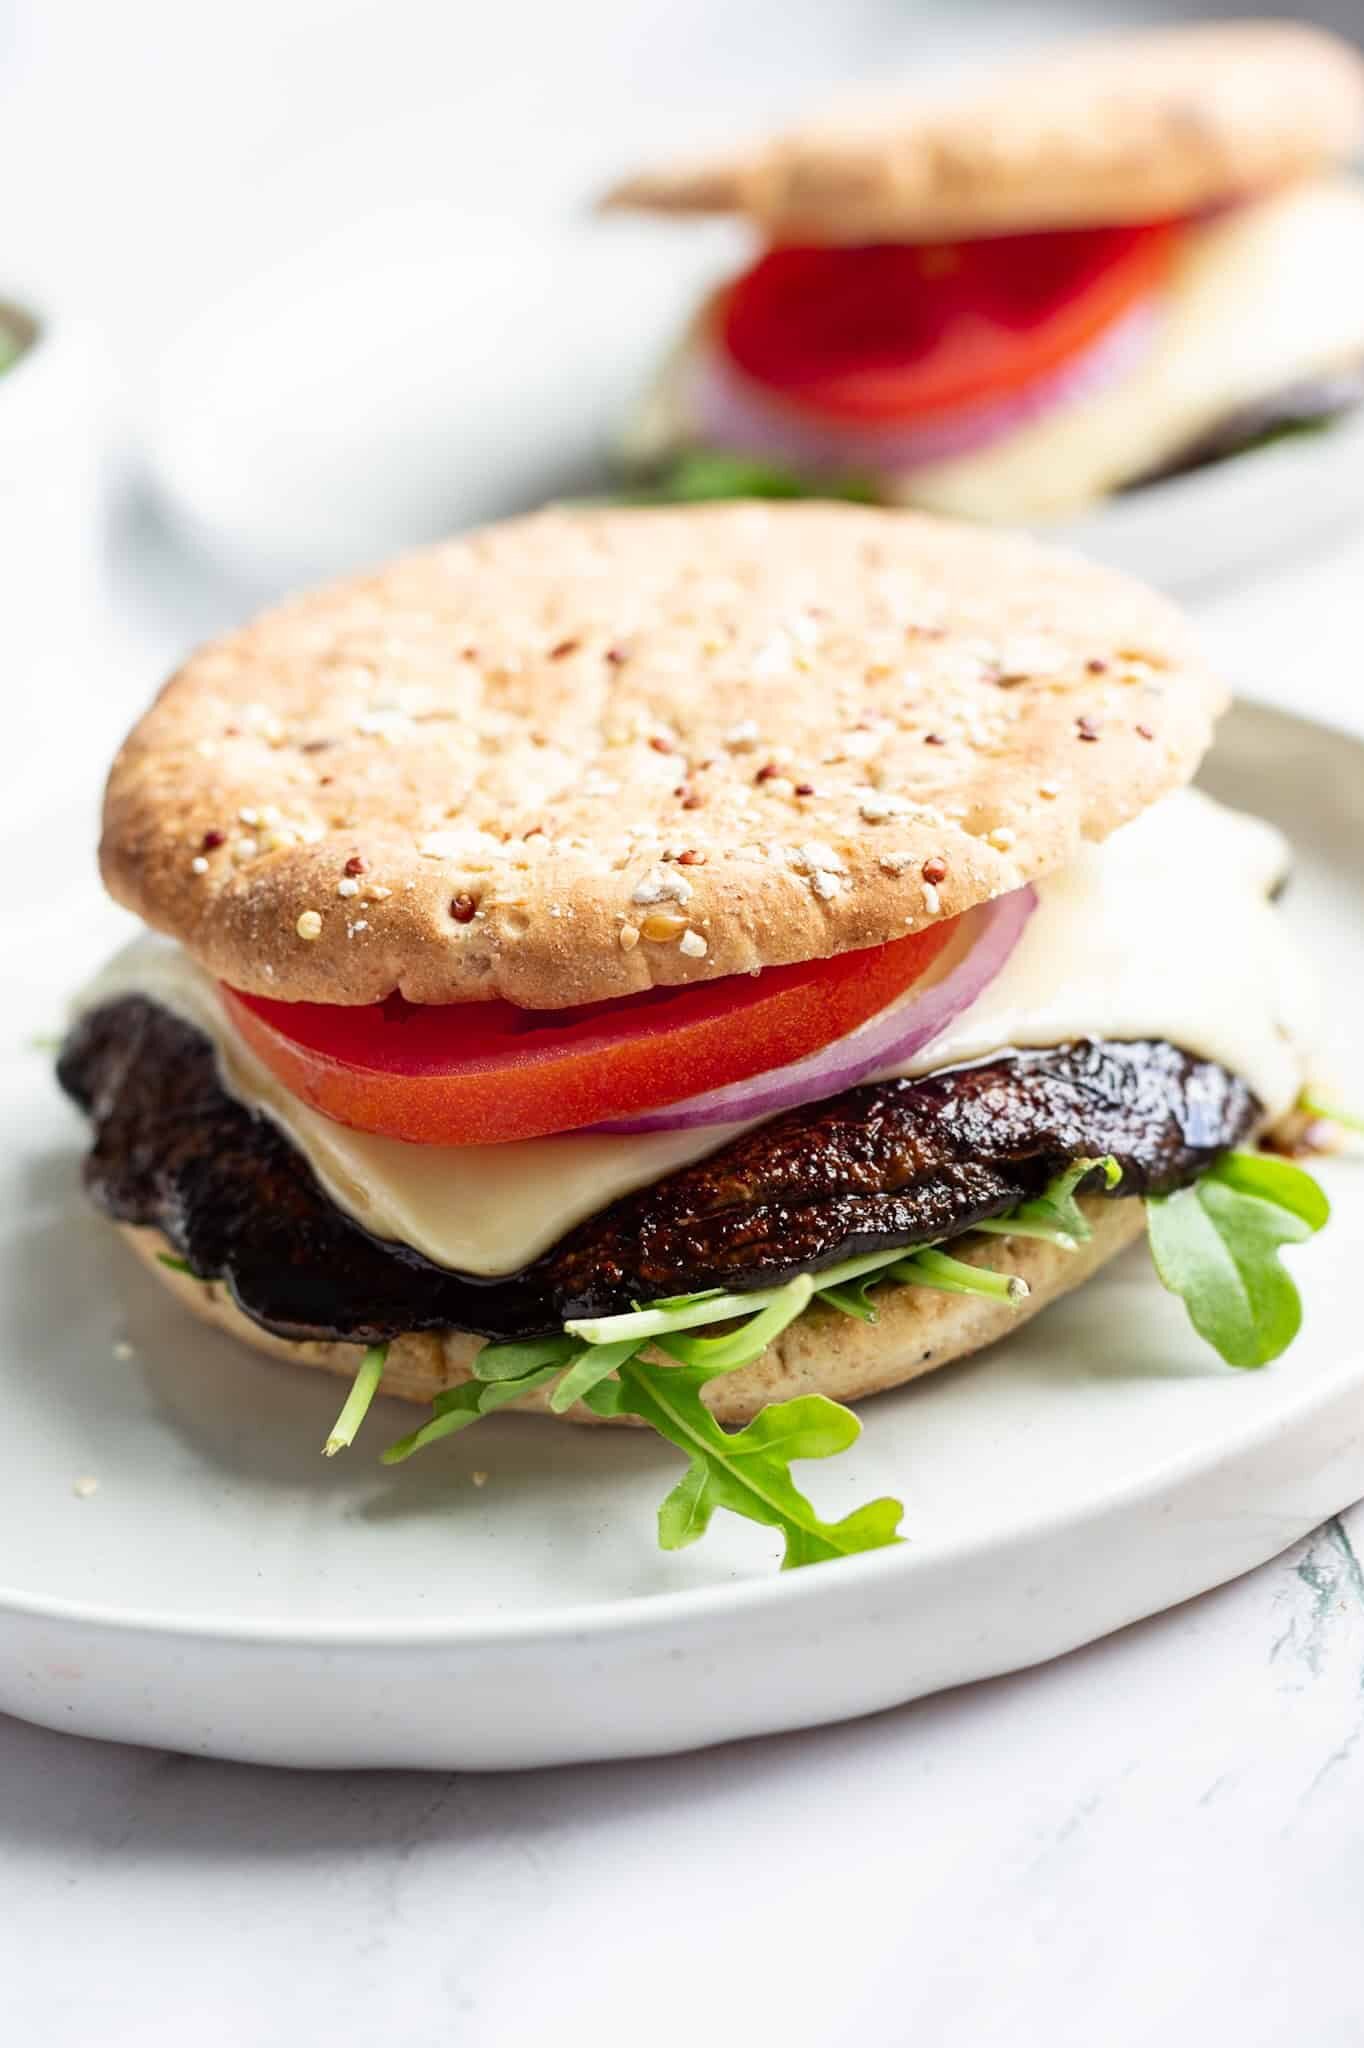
x=225 y=1591
x=1193 y=532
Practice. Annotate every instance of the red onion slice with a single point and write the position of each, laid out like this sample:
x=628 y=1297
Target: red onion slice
x=732 y=411
x=987 y=938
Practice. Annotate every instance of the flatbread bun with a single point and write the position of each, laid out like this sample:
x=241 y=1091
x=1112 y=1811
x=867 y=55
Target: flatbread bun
x=823 y=1352
x=574 y=756
x=1128 y=127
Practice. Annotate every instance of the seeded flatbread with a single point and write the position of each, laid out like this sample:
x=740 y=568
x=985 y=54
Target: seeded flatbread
x=1121 y=128
x=577 y=755
x=823 y=1352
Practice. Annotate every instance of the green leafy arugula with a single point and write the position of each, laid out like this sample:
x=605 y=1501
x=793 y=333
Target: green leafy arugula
x=699 y=475
x=747 y=1471
x=1216 y=1245
x=363 y=1389
x=598 y=1361
x=1055 y=1215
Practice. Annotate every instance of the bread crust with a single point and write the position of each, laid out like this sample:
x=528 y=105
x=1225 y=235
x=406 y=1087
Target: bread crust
x=823 y=1352
x=575 y=756
x=1127 y=127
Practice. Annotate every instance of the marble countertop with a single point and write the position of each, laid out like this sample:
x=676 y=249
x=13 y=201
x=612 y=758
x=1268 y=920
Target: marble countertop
x=1156 y=1838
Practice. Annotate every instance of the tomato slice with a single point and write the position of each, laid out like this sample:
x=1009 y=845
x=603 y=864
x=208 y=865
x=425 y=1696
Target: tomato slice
x=488 y=1073
x=893 y=331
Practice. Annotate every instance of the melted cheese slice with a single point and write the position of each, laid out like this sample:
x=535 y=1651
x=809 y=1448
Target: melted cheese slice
x=1163 y=931
x=1262 y=296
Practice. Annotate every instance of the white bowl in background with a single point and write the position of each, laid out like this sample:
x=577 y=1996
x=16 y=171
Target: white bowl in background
x=405 y=376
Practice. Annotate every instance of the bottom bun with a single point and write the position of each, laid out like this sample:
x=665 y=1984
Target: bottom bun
x=823 y=1352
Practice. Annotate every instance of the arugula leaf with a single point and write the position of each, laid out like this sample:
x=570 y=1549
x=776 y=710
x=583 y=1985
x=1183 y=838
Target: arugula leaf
x=594 y=1363
x=459 y=1406
x=936 y=1269
x=1055 y=1215
x=364 y=1387
x=693 y=1311
x=742 y=1346
x=698 y=475
x=514 y=1361
x=175 y=1265
x=854 y=1299
x=1216 y=1245
x=749 y=1471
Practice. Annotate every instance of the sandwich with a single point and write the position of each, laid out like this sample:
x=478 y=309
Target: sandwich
x=1118 y=262
x=693 y=966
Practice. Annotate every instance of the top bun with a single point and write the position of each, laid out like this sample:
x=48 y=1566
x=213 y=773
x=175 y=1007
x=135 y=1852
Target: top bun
x=1127 y=127
x=575 y=755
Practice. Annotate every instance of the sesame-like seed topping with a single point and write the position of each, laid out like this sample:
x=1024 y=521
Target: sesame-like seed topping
x=1049 y=790
x=245 y=848
x=198 y=866
x=661 y=925
x=628 y=937
x=934 y=739
x=691 y=857
x=377 y=893
x=463 y=907
x=743 y=736
x=878 y=805
x=693 y=945
x=661 y=886
x=212 y=839
x=1086 y=729
x=563 y=649
x=309 y=925
x=355 y=865
x=347 y=887
x=1002 y=838
x=805 y=789
x=825 y=883
x=249 y=815
x=815 y=855
x=661 y=744
x=1145 y=732
x=932 y=901
x=934 y=869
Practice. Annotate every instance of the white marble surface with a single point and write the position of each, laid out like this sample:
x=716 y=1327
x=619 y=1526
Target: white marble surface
x=1155 y=1839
